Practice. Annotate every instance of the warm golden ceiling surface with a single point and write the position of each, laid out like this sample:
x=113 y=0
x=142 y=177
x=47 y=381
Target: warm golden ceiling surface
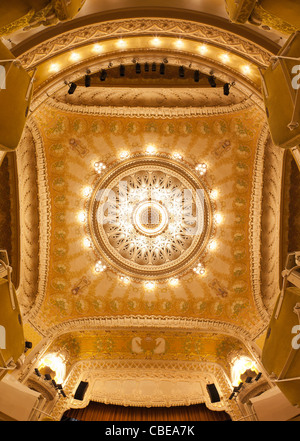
x=171 y=315
x=226 y=142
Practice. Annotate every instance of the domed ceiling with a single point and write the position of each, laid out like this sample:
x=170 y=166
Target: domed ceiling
x=151 y=226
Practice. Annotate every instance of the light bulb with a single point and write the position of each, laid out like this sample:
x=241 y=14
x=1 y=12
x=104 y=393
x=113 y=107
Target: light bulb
x=121 y=43
x=82 y=216
x=97 y=48
x=202 y=49
x=149 y=285
x=155 y=41
x=86 y=191
x=74 y=56
x=54 y=67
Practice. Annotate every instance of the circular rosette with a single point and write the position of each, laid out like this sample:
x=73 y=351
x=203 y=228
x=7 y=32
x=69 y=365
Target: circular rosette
x=149 y=218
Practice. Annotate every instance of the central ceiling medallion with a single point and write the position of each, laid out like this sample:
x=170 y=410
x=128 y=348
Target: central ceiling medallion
x=150 y=218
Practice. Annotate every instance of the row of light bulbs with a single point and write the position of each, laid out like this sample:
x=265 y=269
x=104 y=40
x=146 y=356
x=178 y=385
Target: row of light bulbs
x=121 y=43
x=99 y=167
x=150 y=149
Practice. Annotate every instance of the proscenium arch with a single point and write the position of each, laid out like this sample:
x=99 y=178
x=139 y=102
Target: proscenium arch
x=58 y=49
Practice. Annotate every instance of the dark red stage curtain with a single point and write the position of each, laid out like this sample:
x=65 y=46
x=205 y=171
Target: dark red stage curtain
x=107 y=412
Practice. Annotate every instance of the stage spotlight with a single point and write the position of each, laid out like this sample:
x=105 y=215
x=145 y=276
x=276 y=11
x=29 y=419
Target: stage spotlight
x=37 y=372
x=212 y=81
x=162 y=69
x=196 y=76
x=181 y=72
x=72 y=88
x=153 y=67
x=87 y=80
x=48 y=377
x=138 y=68
x=226 y=89
x=258 y=376
x=103 y=75
x=248 y=380
x=122 y=70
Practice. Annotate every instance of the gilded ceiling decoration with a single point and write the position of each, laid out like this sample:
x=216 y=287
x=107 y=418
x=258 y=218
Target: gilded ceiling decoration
x=150 y=217
x=118 y=279
x=74 y=289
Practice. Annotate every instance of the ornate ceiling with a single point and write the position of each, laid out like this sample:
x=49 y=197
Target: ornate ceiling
x=126 y=297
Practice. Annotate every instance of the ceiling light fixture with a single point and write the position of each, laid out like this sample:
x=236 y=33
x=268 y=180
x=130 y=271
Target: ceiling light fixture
x=121 y=43
x=179 y=43
x=99 y=267
x=99 y=167
x=214 y=194
x=212 y=245
x=181 y=72
x=156 y=41
x=227 y=87
x=199 y=269
x=202 y=49
x=103 y=75
x=86 y=191
x=87 y=243
x=87 y=79
x=177 y=155
x=218 y=218
x=82 y=216
x=225 y=58
x=138 y=68
x=54 y=67
x=212 y=81
x=72 y=88
x=246 y=69
x=150 y=149
x=75 y=56
x=149 y=285
x=125 y=280
x=97 y=48
x=196 y=76
x=122 y=70
x=173 y=282
x=201 y=168
x=124 y=154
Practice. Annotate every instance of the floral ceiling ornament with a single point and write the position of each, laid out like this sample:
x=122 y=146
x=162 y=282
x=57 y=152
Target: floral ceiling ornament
x=150 y=217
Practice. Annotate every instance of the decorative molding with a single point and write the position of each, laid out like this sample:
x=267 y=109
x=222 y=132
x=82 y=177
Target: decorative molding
x=147 y=321
x=255 y=226
x=44 y=218
x=163 y=178
x=150 y=112
x=145 y=26
x=29 y=222
x=157 y=372
x=270 y=225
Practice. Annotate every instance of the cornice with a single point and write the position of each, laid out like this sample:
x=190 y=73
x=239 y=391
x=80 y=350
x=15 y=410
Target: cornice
x=155 y=13
x=145 y=26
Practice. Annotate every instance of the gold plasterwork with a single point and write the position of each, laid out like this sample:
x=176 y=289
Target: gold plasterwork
x=134 y=249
